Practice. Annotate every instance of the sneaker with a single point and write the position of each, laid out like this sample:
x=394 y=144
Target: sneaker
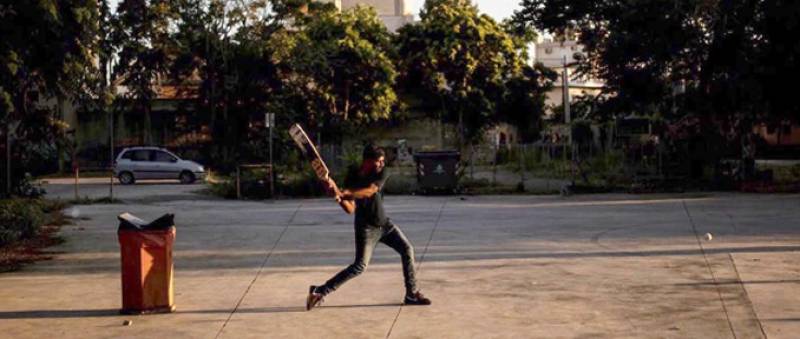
x=416 y=299
x=314 y=299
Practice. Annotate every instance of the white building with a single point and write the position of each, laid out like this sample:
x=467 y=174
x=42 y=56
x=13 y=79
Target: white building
x=394 y=13
x=555 y=55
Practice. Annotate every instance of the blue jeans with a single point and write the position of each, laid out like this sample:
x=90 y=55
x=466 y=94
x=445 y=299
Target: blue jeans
x=367 y=237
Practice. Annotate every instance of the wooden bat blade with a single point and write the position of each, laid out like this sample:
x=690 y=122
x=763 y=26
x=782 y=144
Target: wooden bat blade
x=307 y=147
x=309 y=150
x=320 y=169
x=300 y=138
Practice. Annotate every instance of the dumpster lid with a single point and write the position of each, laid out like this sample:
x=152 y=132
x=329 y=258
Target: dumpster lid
x=128 y=221
x=437 y=154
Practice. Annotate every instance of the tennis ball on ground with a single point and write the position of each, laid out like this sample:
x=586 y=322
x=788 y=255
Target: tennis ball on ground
x=74 y=212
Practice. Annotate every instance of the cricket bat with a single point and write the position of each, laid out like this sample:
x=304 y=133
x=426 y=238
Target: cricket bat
x=310 y=151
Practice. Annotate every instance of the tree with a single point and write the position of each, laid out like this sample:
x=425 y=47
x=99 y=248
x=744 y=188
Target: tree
x=342 y=65
x=729 y=55
x=462 y=57
x=778 y=56
x=236 y=57
x=523 y=102
x=142 y=35
x=719 y=63
x=204 y=59
x=46 y=52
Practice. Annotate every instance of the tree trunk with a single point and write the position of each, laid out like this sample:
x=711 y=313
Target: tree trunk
x=441 y=124
x=346 y=101
x=460 y=128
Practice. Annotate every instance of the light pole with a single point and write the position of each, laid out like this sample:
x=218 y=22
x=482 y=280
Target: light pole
x=565 y=98
x=74 y=155
x=269 y=118
x=111 y=159
x=110 y=87
x=565 y=83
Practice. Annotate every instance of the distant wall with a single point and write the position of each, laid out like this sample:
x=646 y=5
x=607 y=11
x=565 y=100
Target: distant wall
x=783 y=135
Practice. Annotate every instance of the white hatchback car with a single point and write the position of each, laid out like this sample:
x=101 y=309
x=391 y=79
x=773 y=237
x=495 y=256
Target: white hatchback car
x=136 y=163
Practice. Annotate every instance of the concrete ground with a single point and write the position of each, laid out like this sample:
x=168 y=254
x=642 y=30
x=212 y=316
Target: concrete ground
x=599 y=266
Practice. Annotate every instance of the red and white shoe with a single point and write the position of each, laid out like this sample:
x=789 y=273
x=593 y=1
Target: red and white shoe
x=416 y=299
x=314 y=299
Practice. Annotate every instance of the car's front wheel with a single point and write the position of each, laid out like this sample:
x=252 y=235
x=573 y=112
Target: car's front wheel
x=126 y=178
x=187 y=178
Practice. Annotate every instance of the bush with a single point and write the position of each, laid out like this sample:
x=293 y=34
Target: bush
x=19 y=219
x=49 y=206
x=28 y=188
x=303 y=183
x=351 y=158
x=783 y=174
x=400 y=184
x=481 y=186
x=475 y=184
x=254 y=184
x=582 y=133
x=795 y=172
x=607 y=167
x=225 y=188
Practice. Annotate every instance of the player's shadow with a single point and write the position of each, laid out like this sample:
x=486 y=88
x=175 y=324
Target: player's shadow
x=362 y=306
x=44 y=314
x=737 y=282
x=66 y=314
x=274 y=309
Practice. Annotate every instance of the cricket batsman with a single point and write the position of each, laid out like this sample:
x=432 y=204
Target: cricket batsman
x=363 y=194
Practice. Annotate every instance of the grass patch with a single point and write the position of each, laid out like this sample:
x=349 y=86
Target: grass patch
x=783 y=174
x=87 y=174
x=94 y=201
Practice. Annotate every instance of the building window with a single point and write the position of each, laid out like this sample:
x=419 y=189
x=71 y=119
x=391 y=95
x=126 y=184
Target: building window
x=548 y=50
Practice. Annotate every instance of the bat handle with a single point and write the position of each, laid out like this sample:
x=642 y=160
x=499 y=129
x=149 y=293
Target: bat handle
x=345 y=205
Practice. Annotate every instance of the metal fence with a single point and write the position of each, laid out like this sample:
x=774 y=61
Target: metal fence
x=540 y=167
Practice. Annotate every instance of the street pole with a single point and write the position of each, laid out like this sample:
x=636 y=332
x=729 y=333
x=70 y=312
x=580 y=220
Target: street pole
x=76 y=169
x=111 y=155
x=270 y=118
x=108 y=86
x=567 y=117
x=8 y=160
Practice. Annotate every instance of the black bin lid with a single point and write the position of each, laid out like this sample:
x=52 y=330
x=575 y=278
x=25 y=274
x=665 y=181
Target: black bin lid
x=437 y=155
x=128 y=221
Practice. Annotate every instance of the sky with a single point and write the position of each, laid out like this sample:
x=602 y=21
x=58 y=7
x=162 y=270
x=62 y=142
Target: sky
x=497 y=9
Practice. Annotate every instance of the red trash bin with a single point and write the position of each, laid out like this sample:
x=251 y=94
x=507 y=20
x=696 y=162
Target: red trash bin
x=146 y=258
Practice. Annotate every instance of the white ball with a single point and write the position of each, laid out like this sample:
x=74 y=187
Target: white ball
x=709 y=237
x=74 y=212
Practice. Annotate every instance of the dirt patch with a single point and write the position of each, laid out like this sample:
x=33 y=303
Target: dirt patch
x=27 y=251
x=15 y=256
